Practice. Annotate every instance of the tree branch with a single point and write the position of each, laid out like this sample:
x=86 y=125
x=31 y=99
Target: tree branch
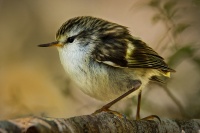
x=99 y=123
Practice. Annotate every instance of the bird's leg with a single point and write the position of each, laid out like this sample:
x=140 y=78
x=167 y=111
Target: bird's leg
x=106 y=107
x=138 y=106
x=138 y=111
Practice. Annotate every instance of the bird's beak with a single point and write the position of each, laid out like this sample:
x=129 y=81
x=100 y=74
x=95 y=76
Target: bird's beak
x=56 y=43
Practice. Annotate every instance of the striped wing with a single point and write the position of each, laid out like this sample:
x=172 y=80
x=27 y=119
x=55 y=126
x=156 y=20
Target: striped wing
x=131 y=53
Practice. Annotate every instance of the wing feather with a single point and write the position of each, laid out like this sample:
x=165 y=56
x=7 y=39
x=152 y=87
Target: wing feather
x=125 y=51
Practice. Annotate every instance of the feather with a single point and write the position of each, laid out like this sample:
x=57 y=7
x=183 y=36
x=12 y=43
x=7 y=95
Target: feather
x=122 y=50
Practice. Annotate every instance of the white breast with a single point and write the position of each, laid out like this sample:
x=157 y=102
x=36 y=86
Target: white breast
x=75 y=61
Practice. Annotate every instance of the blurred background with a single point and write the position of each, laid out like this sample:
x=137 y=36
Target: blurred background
x=33 y=82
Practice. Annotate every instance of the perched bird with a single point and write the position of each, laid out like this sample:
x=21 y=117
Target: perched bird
x=105 y=60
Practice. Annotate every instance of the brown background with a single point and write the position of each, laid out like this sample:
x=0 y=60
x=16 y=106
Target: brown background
x=33 y=82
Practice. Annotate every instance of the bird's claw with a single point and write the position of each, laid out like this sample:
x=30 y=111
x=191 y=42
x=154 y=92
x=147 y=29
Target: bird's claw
x=151 y=117
x=109 y=111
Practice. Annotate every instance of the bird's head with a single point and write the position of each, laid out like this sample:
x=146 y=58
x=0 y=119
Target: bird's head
x=87 y=31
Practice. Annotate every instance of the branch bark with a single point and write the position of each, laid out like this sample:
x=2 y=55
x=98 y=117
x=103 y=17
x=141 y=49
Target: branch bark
x=99 y=123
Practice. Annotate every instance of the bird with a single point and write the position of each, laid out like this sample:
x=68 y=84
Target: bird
x=106 y=61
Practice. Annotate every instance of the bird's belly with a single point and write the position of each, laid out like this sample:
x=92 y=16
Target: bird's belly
x=102 y=90
x=109 y=93
x=104 y=83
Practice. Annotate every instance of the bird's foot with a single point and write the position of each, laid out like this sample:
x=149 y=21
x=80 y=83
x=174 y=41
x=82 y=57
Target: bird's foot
x=150 y=117
x=109 y=111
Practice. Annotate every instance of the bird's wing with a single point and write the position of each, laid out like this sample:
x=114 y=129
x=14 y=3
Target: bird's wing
x=131 y=53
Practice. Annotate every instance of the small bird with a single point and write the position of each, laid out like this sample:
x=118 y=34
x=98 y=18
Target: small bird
x=105 y=60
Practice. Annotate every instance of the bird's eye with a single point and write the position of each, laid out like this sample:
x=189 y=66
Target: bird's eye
x=70 y=39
